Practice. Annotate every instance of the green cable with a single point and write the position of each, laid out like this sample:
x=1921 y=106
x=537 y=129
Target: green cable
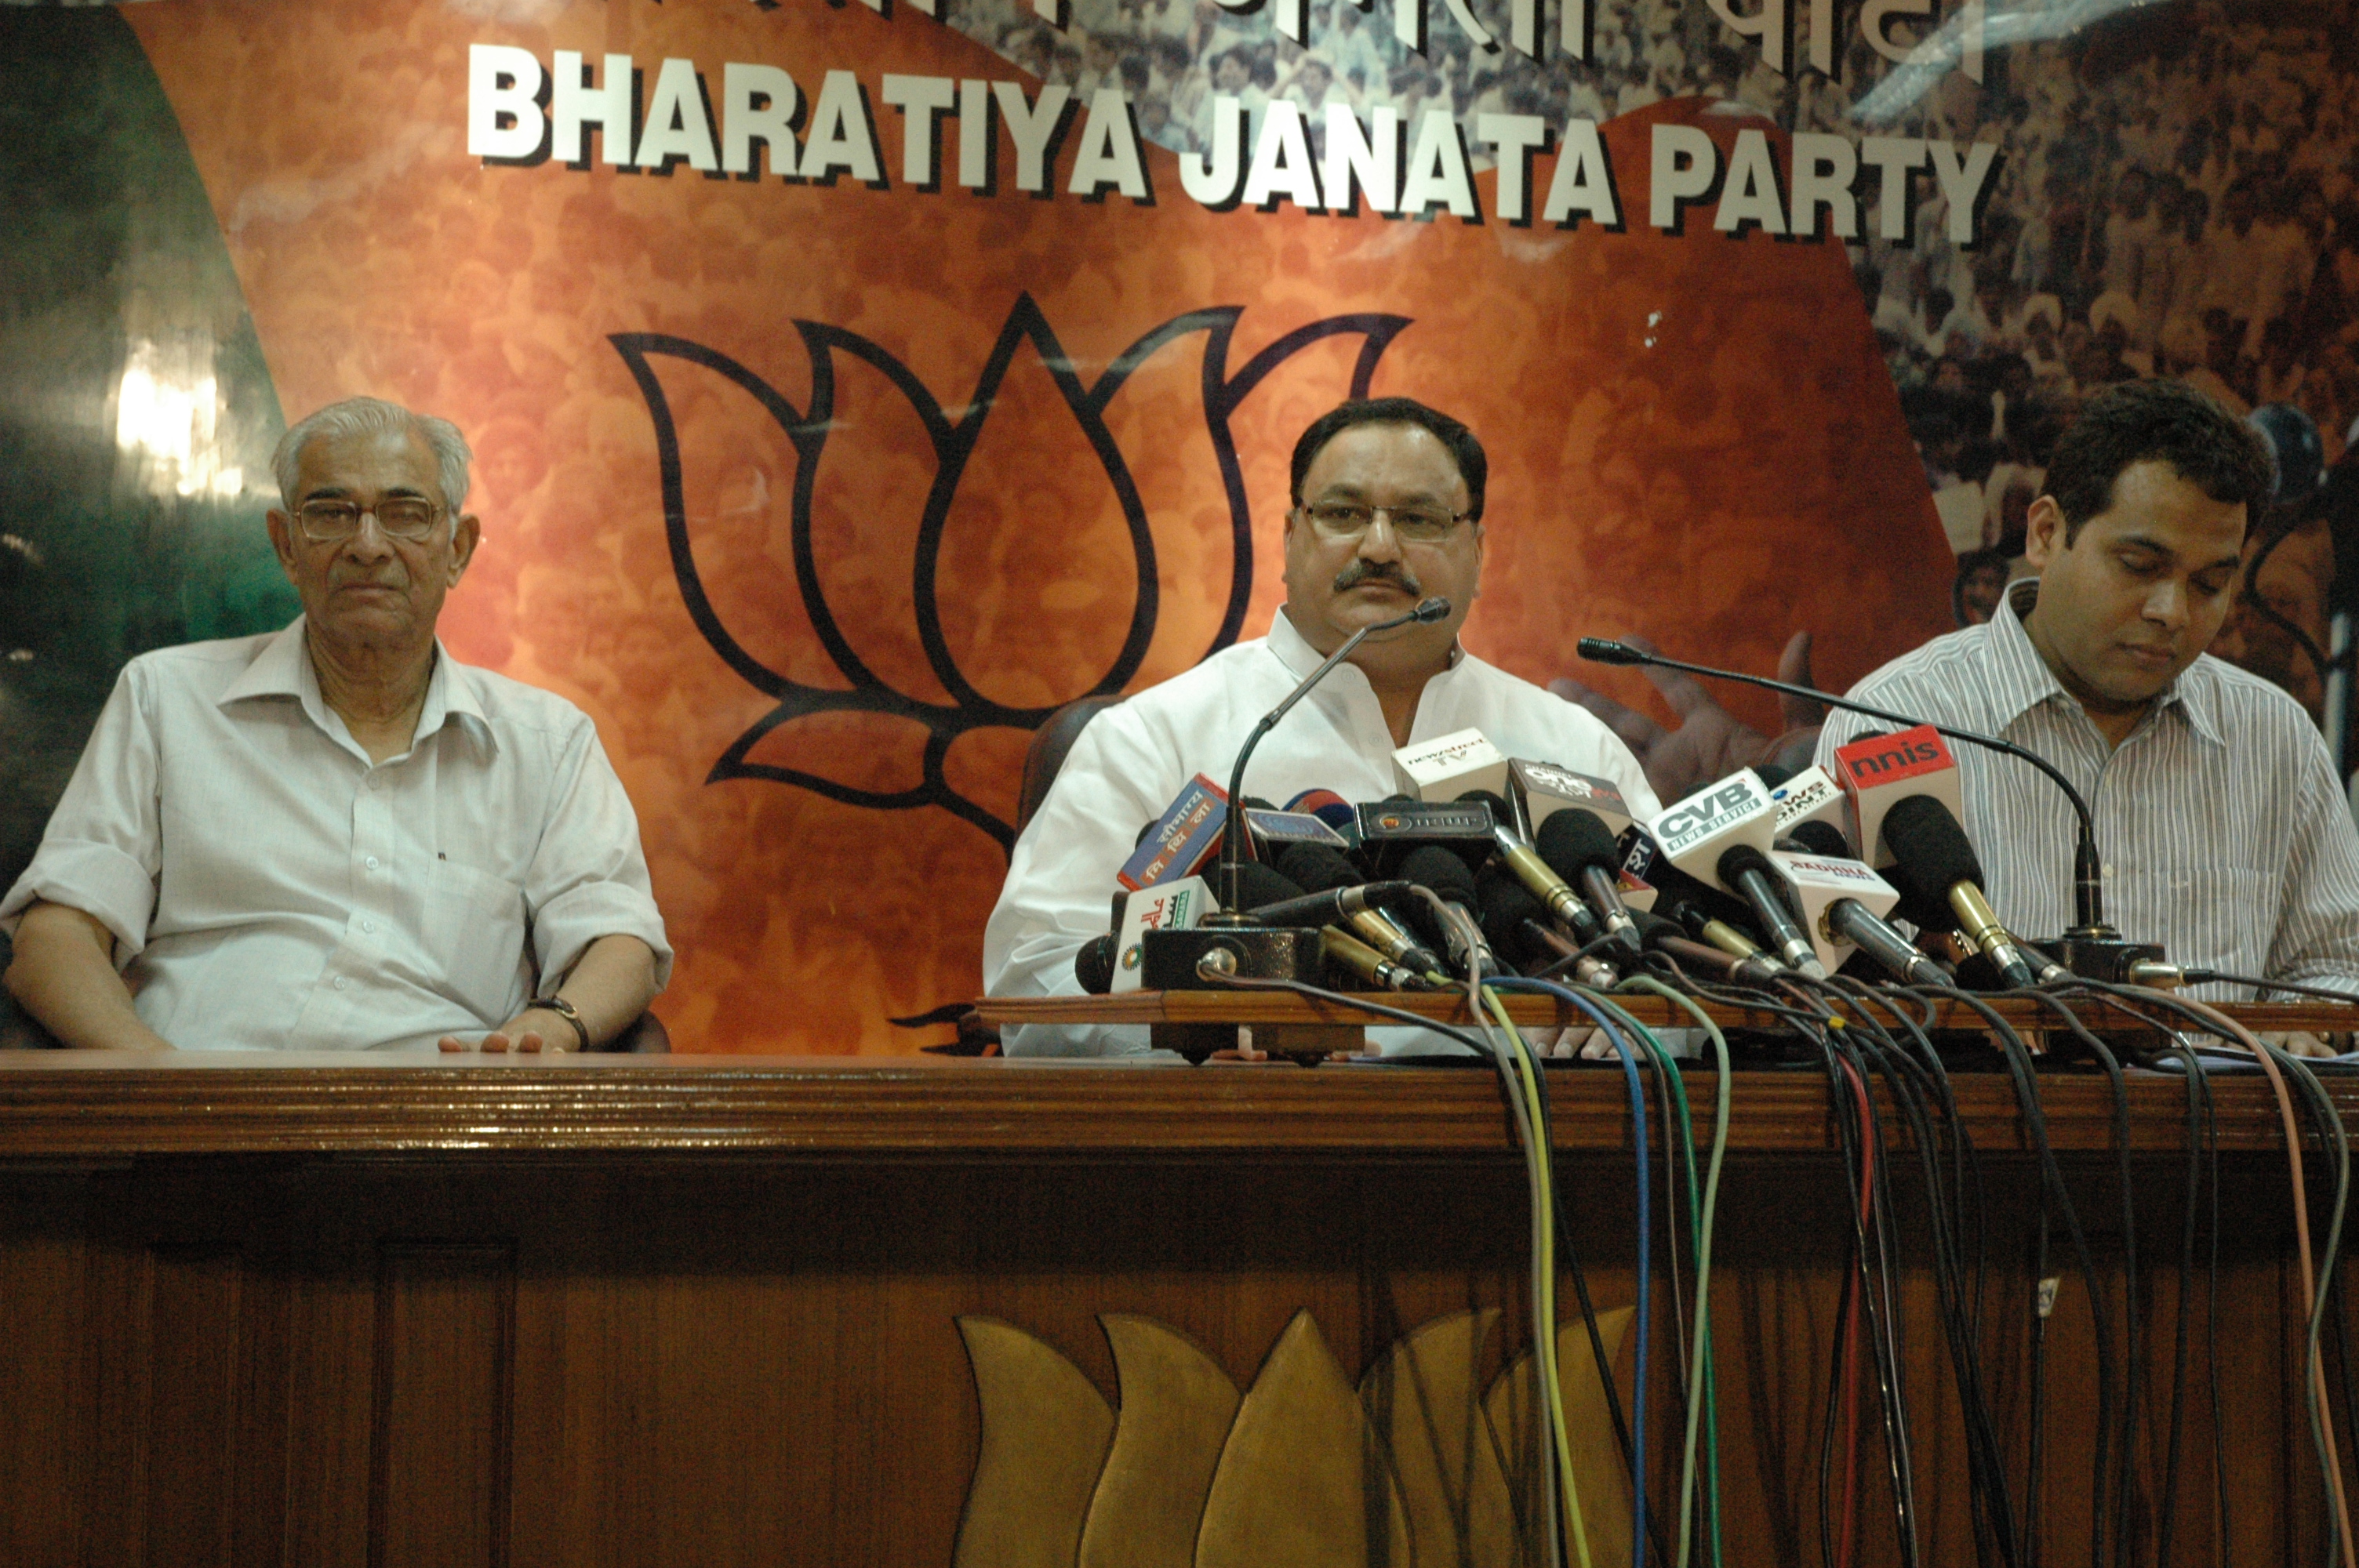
x=1544 y=1337
x=1703 y=1371
x=1700 y=1359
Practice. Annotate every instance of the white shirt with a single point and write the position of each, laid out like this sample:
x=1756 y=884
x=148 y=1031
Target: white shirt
x=2223 y=826
x=269 y=887
x=1128 y=765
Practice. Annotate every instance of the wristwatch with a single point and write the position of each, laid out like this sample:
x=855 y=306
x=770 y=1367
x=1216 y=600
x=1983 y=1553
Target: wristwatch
x=564 y=1010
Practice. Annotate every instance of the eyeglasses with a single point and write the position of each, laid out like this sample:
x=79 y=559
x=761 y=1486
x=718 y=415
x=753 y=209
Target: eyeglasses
x=398 y=517
x=1349 y=520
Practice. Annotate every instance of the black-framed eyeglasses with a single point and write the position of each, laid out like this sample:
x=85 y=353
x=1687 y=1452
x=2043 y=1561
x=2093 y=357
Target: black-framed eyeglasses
x=1349 y=519
x=402 y=517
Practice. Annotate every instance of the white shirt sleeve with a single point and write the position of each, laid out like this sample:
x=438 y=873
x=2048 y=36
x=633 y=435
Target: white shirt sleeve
x=1060 y=880
x=103 y=847
x=589 y=876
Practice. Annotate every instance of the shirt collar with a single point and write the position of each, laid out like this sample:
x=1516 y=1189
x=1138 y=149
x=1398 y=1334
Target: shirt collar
x=284 y=669
x=1297 y=656
x=2023 y=680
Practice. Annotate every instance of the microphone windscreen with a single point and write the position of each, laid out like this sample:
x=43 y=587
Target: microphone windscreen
x=1738 y=858
x=1318 y=868
x=1575 y=837
x=1431 y=866
x=1143 y=829
x=1093 y=965
x=1507 y=906
x=1931 y=855
x=1430 y=611
x=1258 y=885
x=1772 y=774
x=1823 y=838
x=1652 y=925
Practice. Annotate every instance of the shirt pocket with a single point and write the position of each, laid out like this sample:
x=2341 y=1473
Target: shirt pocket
x=475 y=930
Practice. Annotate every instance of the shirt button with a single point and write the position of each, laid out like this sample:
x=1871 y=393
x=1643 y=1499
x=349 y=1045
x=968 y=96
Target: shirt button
x=340 y=982
x=368 y=926
x=372 y=862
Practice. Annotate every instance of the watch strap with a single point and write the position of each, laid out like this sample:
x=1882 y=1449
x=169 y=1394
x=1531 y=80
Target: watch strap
x=564 y=1010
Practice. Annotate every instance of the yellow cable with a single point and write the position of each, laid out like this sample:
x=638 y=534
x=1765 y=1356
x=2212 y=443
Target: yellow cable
x=1544 y=1337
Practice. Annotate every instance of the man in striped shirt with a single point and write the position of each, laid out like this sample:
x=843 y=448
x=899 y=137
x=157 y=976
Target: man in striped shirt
x=2224 y=832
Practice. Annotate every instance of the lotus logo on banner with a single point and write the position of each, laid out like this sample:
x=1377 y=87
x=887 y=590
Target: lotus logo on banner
x=954 y=441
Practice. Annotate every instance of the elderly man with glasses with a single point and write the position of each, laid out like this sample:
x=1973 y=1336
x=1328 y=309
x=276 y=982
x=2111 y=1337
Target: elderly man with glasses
x=1386 y=510
x=336 y=836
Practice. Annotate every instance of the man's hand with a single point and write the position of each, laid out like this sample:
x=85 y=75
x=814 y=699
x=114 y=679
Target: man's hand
x=534 y=1029
x=2303 y=1043
x=1710 y=743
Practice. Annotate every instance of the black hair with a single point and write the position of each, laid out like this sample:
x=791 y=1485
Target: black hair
x=1464 y=450
x=2155 y=421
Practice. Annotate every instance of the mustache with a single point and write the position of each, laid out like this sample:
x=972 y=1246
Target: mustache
x=1361 y=571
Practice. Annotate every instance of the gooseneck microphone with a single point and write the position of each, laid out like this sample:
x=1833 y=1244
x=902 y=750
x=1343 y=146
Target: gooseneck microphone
x=2088 y=885
x=1936 y=865
x=1232 y=838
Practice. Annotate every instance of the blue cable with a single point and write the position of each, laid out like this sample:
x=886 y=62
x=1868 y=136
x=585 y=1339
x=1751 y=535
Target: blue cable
x=1627 y=1052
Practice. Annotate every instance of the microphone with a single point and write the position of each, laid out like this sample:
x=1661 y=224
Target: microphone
x=1751 y=873
x=1233 y=839
x=1321 y=869
x=1093 y=965
x=2089 y=925
x=1518 y=926
x=1182 y=842
x=1663 y=936
x=1936 y=864
x=1881 y=768
x=1844 y=902
x=1537 y=875
x=1348 y=952
x=1707 y=834
x=1330 y=905
x=1449 y=767
x=1810 y=795
x=1577 y=845
x=1540 y=790
x=1446 y=876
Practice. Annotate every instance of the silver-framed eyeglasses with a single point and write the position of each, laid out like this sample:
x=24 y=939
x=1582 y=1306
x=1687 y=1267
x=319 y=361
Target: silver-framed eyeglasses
x=404 y=517
x=1349 y=519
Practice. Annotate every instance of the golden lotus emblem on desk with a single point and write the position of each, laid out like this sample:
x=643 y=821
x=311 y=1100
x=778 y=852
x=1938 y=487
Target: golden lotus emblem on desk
x=1420 y=1464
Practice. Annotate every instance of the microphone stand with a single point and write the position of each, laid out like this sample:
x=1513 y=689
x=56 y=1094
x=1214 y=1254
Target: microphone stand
x=2088 y=930
x=1232 y=834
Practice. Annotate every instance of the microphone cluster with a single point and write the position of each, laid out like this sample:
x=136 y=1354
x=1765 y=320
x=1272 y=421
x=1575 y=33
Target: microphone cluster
x=1745 y=882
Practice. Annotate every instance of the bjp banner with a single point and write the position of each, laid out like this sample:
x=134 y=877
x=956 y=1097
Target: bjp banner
x=853 y=384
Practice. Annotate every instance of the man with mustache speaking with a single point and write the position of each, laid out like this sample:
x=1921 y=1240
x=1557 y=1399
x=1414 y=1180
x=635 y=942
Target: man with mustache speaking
x=336 y=836
x=2226 y=836
x=1387 y=510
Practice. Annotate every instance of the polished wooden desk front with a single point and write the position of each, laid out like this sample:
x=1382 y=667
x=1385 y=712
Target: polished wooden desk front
x=641 y=1310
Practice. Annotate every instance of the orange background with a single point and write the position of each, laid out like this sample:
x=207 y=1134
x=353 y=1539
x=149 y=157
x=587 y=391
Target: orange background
x=1690 y=436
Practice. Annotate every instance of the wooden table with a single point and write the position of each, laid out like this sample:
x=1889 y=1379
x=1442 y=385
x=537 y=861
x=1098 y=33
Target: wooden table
x=708 y=1310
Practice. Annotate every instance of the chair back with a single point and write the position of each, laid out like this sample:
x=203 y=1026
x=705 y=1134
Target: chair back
x=1050 y=742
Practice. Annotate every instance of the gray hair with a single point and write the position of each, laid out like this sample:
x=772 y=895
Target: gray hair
x=367 y=417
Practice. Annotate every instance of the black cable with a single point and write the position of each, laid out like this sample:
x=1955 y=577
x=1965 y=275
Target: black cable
x=2017 y=1057
x=2292 y=988
x=2126 y=1477
x=1913 y=1084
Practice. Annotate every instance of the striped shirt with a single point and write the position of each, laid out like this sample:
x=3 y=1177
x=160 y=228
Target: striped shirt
x=2223 y=832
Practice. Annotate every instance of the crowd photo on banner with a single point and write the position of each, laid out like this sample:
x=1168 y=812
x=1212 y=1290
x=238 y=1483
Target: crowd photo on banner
x=2169 y=201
